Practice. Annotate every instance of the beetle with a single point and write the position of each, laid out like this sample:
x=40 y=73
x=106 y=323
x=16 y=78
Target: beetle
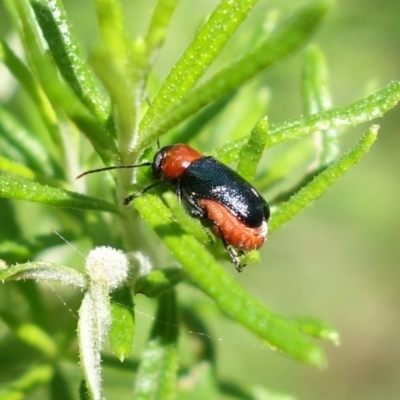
x=213 y=193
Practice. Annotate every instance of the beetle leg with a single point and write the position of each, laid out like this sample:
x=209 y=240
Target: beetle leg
x=235 y=259
x=197 y=212
x=178 y=191
x=232 y=252
x=194 y=209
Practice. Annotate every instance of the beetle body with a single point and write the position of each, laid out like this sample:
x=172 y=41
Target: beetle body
x=213 y=193
x=217 y=195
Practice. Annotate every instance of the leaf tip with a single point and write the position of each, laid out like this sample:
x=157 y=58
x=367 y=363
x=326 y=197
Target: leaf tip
x=316 y=357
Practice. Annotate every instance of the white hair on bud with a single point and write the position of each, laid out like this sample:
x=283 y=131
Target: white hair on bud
x=107 y=266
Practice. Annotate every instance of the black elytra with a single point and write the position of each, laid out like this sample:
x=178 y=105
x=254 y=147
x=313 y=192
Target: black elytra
x=207 y=178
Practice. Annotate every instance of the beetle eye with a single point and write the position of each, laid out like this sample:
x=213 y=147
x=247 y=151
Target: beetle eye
x=157 y=163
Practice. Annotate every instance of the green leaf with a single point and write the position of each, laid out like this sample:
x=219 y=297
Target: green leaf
x=111 y=62
x=322 y=181
x=159 y=281
x=30 y=148
x=44 y=270
x=21 y=171
x=251 y=153
x=315 y=87
x=123 y=323
x=93 y=326
x=197 y=324
x=58 y=92
x=156 y=376
x=367 y=109
x=34 y=298
x=34 y=90
x=316 y=98
x=233 y=389
x=21 y=189
x=11 y=394
x=122 y=93
x=60 y=389
x=34 y=378
x=199 y=383
x=206 y=46
x=17 y=169
x=190 y=129
x=317 y=328
x=13 y=250
x=124 y=69
x=84 y=393
x=112 y=29
x=31 y=334
x=64 y=47
x=190 y=224
x=224 y=290
x=158 y=26
x=284 y=41
x=247 y=109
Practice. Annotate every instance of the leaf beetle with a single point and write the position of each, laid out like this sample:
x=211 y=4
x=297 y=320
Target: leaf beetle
x=213 y=193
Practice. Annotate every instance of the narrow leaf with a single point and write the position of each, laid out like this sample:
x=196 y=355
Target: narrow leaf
x=123 y=323
x=67 y=54
x=315 y=87
x=317 y=328
x=60 y=387
x=35 y=377
x=206 y=46
x=367 y=109
x=116 y=80
x=284 y=41
x=31 y=334
x=200 y=383
x=316 y=98
x=111 y=63
x=197 y=325
x=31 y=85
x=21 y=189
x=156 y=377
x=251 y=153
x=207 y=274
x=158 y=26
x=322 y=181
x=93 y=323
x=191 y=225
x=57 y=91
x=191 y=128
x=112 y=29
x=44 y=271
x=159 y=281
x=24 y=141
x=237 y=390
x=21 y=171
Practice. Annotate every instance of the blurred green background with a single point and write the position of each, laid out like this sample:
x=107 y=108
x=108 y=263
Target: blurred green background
x=339 y=260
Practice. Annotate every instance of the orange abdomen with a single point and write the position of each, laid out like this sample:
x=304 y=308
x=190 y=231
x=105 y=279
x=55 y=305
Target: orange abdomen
x=234 y=232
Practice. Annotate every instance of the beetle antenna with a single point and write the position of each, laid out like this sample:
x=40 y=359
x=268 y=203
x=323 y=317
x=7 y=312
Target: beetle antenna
x=92 y=171
x=133 y=196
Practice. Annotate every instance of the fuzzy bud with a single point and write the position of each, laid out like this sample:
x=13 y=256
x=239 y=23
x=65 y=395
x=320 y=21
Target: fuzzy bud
x=108 y=266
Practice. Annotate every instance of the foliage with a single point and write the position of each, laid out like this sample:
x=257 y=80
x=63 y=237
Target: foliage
x=40 y=165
